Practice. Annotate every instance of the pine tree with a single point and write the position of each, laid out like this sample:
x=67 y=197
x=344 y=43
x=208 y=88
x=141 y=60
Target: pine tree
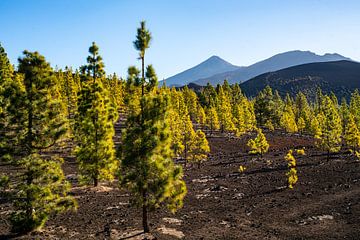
x=94 y=125
x=224 y=111
x=200 y=148
x=212 y=121
x=344 y=113
x=264 y=106
x=142 y=43
x=37 y=123
x=269 y=125
x=201 y=115
x=41 y=193
x=301 y=124
x=352 y=134
x=259 y=145
x=6 y=80
x=191 y=103
x=147 y=169
x=330 y=137
x=188 y=136
x=287 y=120
x=292 y=173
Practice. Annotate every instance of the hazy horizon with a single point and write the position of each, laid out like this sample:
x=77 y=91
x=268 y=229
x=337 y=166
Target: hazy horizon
x=184 y=33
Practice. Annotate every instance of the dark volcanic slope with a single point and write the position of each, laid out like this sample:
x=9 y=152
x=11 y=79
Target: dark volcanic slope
x=340 y=77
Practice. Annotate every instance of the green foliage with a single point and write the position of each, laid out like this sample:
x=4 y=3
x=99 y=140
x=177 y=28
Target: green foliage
x=224 y=111
x=94 y=126
x=36 y=123
x=330 y=136
x=292 y=173
x=264 y=106
x=95 y=66
x=212 y=121
x=200 y=148
x=352 y=134
x=287 y=120
x=269 y=125
x=259 y=145
x=41 y=192
x=301 y=124
x=147 y=168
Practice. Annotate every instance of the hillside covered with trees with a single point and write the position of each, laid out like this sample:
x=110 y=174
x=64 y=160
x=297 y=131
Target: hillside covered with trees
x=76 y=143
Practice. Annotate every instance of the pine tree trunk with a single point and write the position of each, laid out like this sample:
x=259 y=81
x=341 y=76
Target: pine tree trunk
x=96 y=182
x=142 y=75
x=145 y=214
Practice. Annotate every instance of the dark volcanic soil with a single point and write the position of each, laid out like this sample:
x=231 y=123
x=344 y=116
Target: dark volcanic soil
x=222 y=203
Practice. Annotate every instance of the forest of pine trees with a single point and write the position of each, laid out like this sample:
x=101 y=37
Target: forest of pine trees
x=44 y=111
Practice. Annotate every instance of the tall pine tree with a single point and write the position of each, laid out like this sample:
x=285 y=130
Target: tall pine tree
x=94 y=124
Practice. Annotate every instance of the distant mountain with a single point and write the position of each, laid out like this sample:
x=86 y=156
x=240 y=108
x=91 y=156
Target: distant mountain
x=274 y=63
x=340 y=77
x=209 y=67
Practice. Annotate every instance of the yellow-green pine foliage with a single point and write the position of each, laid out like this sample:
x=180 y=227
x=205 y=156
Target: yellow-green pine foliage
x=201 y=115
x=344 y=113
x=200 y=148
x=330 y=123
x=45 y=196
x=355 y=106
x=212 y=121
x=147 y=168
x=287 y=121
x=94 y=125
x=242 y=169
x=191 y=103
x=315 y=128
x=37 y=122
x=303 y=110
x=301 y=124
x=292 y=173
x=69 y=88
x=6 y=80
x=116 y=89
x=278 y=109
x=264 y=106
x=188 y=135
x=352 y=134
x=259 y=145
x=239 y=119
x=249 y=115
x=269 y=125
x=175 y=122
x=224 y=111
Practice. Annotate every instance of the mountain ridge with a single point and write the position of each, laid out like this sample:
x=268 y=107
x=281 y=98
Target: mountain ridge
x=274 y=63
x=211 y=66
x=341 y=77
x=215 y=69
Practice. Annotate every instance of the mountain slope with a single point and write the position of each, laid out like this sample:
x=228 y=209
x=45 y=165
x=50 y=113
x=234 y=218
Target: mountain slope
x=340 y=77
x=274 y=63
x=209 y=67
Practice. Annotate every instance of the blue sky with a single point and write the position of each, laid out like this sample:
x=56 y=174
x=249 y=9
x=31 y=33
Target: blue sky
x=185 y=32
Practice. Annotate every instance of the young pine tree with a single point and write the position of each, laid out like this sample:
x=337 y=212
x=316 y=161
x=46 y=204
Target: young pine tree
x=352 y=134
x=94 y=125
x=37 y=123
x=200 y=148
x=292 y=173
x=147 y=168
x=259 y=145
x=212 y=121
x=330 y=123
